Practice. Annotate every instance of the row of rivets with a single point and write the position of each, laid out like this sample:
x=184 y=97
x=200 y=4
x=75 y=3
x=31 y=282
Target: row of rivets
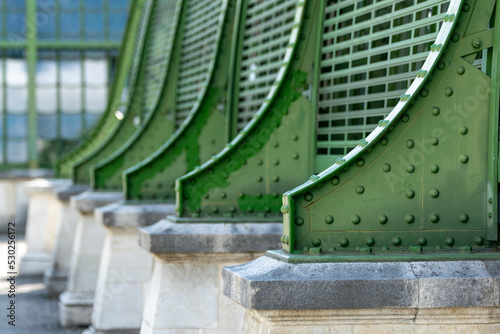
x=383 y=219
x=396 y=241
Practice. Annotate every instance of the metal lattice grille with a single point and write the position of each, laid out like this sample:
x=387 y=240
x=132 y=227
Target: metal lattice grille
x=371 y=52
x=267 y=33
x=159 y=43
x=199 y=43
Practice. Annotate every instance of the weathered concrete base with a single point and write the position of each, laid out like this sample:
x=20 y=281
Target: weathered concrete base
x=75 y=304
x=375 y=321
x=44 y=212
x=13 y=199
x=408 y=297
x=55 y=278
x=185 y=291
x=92 y=330
x=125 y=267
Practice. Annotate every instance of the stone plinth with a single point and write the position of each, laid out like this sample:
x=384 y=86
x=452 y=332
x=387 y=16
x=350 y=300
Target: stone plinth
x=125 y=267
x=13 y=199
x=55 y=278
x=407 y=297
x=185 y=291
x=44 y=212
x=75 y=303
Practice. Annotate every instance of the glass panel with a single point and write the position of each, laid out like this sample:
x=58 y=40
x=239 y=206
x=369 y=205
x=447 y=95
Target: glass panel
x=95 y=99
x=17 y=152
x=1 y=152
x=17 y=71
x=16 y=25
x=46 y=23
x=1 y=126
x=70 y=24
x=91 y=120
x=71 y=71
x=94 y=25
x=71 y=100
x=69 y=4
x=46 y=100
x=17 y=100
x=117 y=22
x=46 y=72
x=118 y=4
x=47 y=126
x=15 y=4
x=96 y=71
x=95 y=3
x=71 y=126
x=16 y=126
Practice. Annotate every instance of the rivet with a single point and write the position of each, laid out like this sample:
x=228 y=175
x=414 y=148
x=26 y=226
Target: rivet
x=435 y=111
x=314 y=178
x=463 y=218
x=215 y=210
x=360 y=162
x=460 y=70
x=434 y=193
x=386 y=168
x=276 y=144
x=441 y=65
x=479 y=240
x=438 y=247
x=424 y=92
x=344 y=242
x=455 y=37
x=410 y=219
x=267 y=209
x=410 y=143
x=490 y=215
x=285 y=209
x=299 y=221
x=276 y=162
x=232 y=209
x=464 y=158
x=434 y=218
x=308 y=197
x=422 y=241
x=449 y=241
x=396 y=241
x=370 y=242
x=259 y=195
x=329 y=219
x=316 y=242
x=382 y=219
x=410 y=193
x=206 y=196
x=463 y=130
x=477 y=42
x=384 y=141
x=434 y=141
x=466 y=7
x=223 y=195
x=241 y=195
x=410 y=168
x=405 y=118
x=434 y=169
x=448 y=91
x=295 y=137
x=260 y=162
x=355 y=219
x=490 y=200
x=360 y=189
x=295 y=156
x=249 y=209
x=259 y=179
x=335 y=180
x=276 y=178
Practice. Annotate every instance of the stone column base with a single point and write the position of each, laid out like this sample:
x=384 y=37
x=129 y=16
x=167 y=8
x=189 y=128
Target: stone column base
x=185 y=291
x=92 y=330
x=375 y=321
x=75 y=309
x=55 y=282
x=125 y=267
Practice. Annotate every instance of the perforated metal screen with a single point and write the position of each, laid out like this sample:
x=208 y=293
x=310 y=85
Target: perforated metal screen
x=370 y=54
x=199 y=42
x=158 y=46
x=268 y=24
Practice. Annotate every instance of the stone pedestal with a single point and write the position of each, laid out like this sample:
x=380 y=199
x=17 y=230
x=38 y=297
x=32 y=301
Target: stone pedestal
x=55 y=278
x=13 y=199
x=185 y=291
x=75 y=303
x=44 y=212
x=125 y=267
x=390 y=297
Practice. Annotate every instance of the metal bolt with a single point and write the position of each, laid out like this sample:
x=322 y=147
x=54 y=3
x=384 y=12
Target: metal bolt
x=410 y=193
x=422 y=241
x=316 y=242
x=460 y=70
x=370 y=242
x=329 y=219
x=479 y=241
x=435 y=111
x=434 y=141
x=308 y=197
x=396 y=241
x=382 y=219
x=386 y=168
x=434 y=218
x=449 y=241
x=410 y=219
x=464 y=158
x=410 y=168
x=434 y=169
x=477 y=42
x=299 y=221
x=355 y=219
x=360 y=189
x=344 y=242
x=448 y=91
x=434 y=193
x=463 y=218
x=463 y=130
x=410 y=143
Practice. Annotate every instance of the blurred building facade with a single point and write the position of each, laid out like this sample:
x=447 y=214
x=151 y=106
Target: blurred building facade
x=56 y=65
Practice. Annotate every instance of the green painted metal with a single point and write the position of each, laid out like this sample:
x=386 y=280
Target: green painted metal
x=197 y=102
x=31 y=56
x=139 y=106
x=127 y=65
x=272 y=109
x=162 y=61
x=423 y=185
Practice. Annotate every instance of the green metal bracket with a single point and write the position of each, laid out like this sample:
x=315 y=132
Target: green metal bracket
x=245 y=179
x=423 y=185
x=162 y=63
x=108 y=121
x=140 y=105
x=201 y=132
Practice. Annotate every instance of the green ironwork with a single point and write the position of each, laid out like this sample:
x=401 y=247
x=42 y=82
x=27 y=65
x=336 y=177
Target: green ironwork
x=197 y=102
x=138 y=109
x=423 y=185
x=270 y=95
x=127 y=66
x=162 y=60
